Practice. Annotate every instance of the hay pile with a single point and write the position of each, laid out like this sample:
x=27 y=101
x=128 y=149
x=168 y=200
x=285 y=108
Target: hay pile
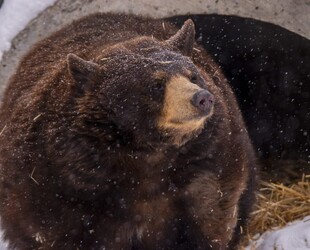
x=279 y=204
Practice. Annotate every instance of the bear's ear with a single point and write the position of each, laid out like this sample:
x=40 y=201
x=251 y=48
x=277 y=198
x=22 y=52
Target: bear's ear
x=80 y=70
x=184 y=39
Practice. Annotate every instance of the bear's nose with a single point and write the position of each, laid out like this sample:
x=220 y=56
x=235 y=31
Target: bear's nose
x=203 y=100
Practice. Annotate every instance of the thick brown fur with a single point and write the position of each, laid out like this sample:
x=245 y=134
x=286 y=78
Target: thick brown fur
x=89 y=158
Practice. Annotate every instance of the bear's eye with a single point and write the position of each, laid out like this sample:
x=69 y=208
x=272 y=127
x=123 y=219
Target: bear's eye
x=159 y=84
x=159 y=81
x=193 y=78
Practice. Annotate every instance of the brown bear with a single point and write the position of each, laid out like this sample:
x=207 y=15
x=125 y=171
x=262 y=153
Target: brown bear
x=117 y=134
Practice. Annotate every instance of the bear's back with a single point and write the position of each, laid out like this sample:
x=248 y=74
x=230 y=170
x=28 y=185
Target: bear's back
x=83 y=37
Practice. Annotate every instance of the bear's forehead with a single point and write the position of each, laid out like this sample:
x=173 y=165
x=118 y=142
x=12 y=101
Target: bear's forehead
x=169 y=57
x=155 y=59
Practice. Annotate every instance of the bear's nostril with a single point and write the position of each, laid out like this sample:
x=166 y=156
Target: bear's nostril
x=211 y=99
x=202 y=102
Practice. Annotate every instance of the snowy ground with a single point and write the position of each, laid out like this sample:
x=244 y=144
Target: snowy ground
x=14 y=16
x=295 y=236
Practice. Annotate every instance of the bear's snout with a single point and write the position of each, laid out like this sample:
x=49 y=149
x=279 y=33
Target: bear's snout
x=203 y=100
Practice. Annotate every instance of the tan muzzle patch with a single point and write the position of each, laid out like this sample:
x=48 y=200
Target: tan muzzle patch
x=179 y=117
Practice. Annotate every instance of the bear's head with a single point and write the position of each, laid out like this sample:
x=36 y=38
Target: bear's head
x=143 y=91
